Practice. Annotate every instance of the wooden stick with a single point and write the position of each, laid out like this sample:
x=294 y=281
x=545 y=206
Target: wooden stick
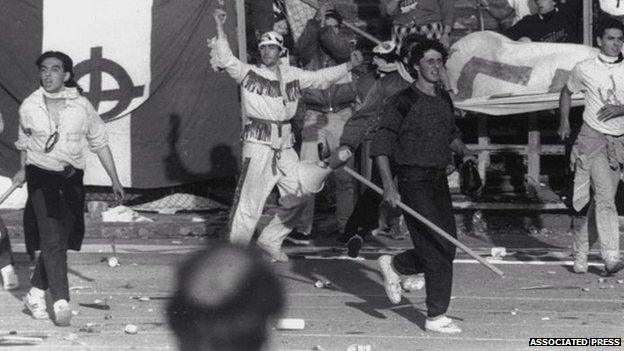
x=424 y=220
x=9 y=192
x=348 y=25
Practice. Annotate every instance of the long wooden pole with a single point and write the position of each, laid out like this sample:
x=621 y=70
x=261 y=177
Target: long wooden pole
x=427 y=222
x=348 y=25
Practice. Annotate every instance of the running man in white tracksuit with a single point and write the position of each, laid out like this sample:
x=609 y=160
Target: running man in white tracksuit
x=270 y=94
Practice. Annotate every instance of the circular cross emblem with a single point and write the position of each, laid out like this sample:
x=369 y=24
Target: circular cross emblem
x=94 y=67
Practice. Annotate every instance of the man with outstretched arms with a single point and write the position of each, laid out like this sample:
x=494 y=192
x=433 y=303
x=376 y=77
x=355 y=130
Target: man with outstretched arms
x=271 y=91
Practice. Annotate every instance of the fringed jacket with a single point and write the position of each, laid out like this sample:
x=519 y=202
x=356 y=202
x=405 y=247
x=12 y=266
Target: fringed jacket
x=262 y=96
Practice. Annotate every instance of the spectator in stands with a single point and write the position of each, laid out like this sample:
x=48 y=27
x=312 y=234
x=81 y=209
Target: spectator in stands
x=56 y=124
x=598 y=152
x=553 y=23
x=327 y=109
x=418 y=132
x=432 y=18
x=225 y=299
x=270 y=95
x=9 y=278
x=512 y=10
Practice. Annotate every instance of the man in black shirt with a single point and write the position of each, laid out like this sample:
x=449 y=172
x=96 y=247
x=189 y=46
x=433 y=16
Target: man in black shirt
x=553 y=23
x=418 y=132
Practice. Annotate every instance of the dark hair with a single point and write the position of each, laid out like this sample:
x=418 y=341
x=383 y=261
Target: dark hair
x=66 y=61
x=608 y=23
x=419 y=50
x=408 y=43
x=225 y=296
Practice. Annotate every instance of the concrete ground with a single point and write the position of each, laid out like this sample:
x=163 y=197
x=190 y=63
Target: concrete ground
x=539 y=296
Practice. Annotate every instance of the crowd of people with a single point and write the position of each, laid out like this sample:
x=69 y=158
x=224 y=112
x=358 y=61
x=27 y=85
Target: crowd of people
x=404 y=106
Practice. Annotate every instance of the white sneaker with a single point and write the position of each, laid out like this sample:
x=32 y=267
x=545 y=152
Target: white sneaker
x=443 y=325
x=392 y=281
x=62 y=313
x=9 y=278
x=413 y=282
x=36 y=304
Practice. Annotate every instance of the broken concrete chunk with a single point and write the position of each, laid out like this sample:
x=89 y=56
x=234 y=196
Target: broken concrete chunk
x=131 y=329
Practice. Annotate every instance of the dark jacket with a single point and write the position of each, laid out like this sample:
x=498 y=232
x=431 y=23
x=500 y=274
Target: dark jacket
x=417 y=129
x=63 y=197
x=320 y=48
x=366 y=119
x=558 y=26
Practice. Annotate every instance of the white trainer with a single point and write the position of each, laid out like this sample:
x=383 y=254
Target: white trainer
x=62 y=313
x=9 y=278
x=443 y=325
x=392 y=281
x=36 y=304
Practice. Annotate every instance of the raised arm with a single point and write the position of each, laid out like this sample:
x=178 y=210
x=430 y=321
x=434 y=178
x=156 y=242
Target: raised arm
x=325 y=77
x=222 y=56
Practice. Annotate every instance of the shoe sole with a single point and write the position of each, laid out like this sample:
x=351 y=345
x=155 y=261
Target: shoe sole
x=63 y=318
x=443 y=332
x=387 y=285
x=618 y=267
x=354 y=245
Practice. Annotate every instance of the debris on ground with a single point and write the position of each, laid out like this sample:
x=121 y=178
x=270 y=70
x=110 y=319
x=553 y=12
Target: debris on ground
x=131 y=329
x=290 y=324
x=320 y=284
x=76 y=288
x=498 y=252
x=548 y=287
x=97 y=304
x=545 y=318
x=602 y=280
x=413 y=283
x=620 y=281
x=585 y=289
x=89 y=328
x=113 y=261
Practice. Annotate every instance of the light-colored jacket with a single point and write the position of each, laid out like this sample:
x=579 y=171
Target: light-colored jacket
x=79 y=128
x=263 y=95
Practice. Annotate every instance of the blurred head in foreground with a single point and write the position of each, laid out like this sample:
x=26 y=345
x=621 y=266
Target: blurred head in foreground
x=226 y=296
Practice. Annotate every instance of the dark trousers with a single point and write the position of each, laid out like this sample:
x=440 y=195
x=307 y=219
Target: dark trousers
x=6 y=254
x=51 y=268
x=426 y=191
x=365 y=216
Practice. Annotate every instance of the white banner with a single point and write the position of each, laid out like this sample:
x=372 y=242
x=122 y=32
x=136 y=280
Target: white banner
x=498 y=76
x=109 y=41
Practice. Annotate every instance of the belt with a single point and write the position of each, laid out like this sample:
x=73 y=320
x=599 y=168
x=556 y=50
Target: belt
x=264 y=134
x=328 y=109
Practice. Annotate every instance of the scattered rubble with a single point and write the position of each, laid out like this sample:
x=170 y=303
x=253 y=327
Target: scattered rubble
x=131 y=329
x=290 y=324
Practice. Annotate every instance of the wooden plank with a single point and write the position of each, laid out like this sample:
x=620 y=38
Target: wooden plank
x=469 y=205
x=550 y=149
x=484 y=143
x=533 y=156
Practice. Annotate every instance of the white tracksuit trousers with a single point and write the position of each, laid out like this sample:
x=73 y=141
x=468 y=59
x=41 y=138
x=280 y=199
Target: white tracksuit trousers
x=259 y=181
